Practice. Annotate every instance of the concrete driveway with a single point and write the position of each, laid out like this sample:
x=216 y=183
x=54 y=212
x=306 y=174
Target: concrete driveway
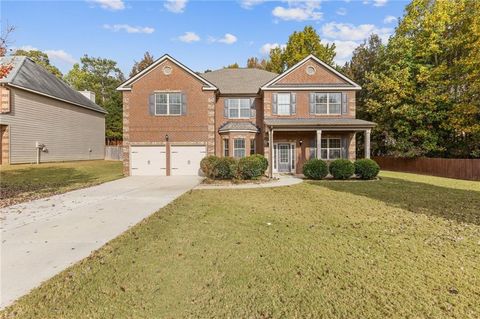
x=43 y=237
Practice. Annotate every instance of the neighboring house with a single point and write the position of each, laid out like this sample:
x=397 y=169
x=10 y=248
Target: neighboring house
x=173 y=117
x=43 y=118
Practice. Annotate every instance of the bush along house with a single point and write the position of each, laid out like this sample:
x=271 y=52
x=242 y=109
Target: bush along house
x=173 y=117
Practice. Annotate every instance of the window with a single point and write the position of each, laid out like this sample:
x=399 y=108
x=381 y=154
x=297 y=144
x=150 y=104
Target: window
x=239 y=147
x=283 y=103
x=226 y=147
x=328 y=103
x=238 y=108
x=168 y=104
x=331 y=148
x=252 y=146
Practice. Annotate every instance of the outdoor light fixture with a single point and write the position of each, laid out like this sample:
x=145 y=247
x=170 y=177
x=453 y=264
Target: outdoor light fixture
x=166 y=137
x=300 y=142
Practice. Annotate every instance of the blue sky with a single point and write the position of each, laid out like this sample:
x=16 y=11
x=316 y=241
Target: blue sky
x=201 y=34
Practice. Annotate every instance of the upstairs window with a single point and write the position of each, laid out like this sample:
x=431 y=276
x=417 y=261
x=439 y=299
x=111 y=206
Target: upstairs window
x=238 y=108
x=327 y=103
x=168 y=103
x=283 y=104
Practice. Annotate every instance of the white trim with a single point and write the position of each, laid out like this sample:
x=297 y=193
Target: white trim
x=311 y=88
x=311 y=56
x=123 y=86
x=291 y=155
x=57 y=98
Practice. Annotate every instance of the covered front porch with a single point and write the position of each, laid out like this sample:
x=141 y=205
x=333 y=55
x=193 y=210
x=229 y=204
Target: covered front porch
x=291 y=142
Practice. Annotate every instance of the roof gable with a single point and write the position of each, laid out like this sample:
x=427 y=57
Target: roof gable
x=126 y=86
x=322 y=77
x=29 y=76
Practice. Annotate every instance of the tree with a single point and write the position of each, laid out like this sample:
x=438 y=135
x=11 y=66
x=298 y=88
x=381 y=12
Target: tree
x=232 y=66
x=101 y=76
x=275 y=63
x=254 y=63
x=302 y=43
x=40 y=58
x=145 y=62
x=5 y=39
x=423 y=92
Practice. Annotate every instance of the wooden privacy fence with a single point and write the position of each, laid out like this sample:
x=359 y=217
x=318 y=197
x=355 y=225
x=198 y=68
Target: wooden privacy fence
x=113 y=153
x=444 y=167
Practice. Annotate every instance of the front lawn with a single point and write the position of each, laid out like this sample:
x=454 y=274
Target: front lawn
x=19 y=183
x=404 y=246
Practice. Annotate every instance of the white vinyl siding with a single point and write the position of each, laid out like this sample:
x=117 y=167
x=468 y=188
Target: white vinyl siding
x=283 y=104
x=168 y=103
x=238 y=108
x=328 y=103
x=239 y=147
x=69 y=132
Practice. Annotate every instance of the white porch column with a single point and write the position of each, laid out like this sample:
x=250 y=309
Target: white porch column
x=367 y=143
x=319 y=144
x=270 y=152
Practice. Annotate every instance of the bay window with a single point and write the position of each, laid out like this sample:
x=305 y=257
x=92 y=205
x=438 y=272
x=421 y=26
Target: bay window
x=239 y=147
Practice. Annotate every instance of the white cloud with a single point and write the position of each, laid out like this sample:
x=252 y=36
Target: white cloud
x=299 y=11
x=344 y=50
x=379 y=3
x=110 y=4
x=175 y=6
x=341 y=11
x=389 y=19
x=265 y=49
x=128 y=28
x=350 y=32
x=61 y=55
x=228 y=38
x=248 y=4
x=189 y=37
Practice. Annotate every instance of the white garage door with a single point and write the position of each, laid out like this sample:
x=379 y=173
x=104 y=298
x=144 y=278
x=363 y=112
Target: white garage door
x=148 y=160
x=185 y=159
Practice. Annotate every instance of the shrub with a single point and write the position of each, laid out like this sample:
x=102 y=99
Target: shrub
x=225 y=167
x=208 y=165
x=366 y=168
x=315 y=169
x=263 y=160
x=341 y=169
x=251 y=167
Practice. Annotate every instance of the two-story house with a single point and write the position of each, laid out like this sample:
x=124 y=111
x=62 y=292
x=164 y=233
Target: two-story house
x=173 y=117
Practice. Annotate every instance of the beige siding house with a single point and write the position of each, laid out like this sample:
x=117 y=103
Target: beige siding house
x=43 y=118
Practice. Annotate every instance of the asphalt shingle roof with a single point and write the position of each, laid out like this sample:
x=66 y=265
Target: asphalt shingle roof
x=319 y=122
x=238 y=126
x=31 y=76
x=238 y=81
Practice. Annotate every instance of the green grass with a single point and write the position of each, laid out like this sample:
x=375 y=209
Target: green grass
x=403 y=247
x=19 y=183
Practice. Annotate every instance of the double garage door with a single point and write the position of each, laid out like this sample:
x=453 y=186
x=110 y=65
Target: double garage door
x=152 y=160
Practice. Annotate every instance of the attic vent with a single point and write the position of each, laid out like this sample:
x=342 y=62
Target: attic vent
x=167 y=70
x=311 y=70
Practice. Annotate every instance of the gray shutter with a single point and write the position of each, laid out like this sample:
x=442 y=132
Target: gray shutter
x=311 y=100
x=274 y=103
x=184 y=104
x=151 y=104
x=253 y=112
x=344 y=145
x=293 y=103
x=225 y=108
x=344 y=103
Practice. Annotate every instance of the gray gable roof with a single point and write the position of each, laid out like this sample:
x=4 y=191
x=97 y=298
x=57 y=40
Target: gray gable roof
x=239 y=81
x=28 y=75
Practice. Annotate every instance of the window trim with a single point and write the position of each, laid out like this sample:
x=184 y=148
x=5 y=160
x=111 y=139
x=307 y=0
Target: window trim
x=157 y=94
x=238 y=107
x=328 y=103
x=226 y=147
x=328 y=148
x=289 y=104
x=235 y=148
x=252 y=146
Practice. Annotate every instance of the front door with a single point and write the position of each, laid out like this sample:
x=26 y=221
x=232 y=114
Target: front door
x=284 y=155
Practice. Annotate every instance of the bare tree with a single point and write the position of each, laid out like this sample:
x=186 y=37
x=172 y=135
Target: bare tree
x=4 y=39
